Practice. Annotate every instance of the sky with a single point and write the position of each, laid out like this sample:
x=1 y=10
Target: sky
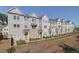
x=65 y=12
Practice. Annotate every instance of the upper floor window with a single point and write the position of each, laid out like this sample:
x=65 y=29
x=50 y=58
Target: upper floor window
x=18 y=25
x=53 y=27
x=4 y=29
x=33 y=20
x=25 y=26
x=34 y=26
x=26 y=18
x=45 y=26
x=45 y=33
x=14 y=17
x=59 y=26
x=18 y=17
x=6 y=33
x=14 y=25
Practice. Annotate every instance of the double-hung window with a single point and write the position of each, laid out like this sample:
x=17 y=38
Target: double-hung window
x=14 y=17
x=16 y=25
x=33 y=20
x=18 y=17
x=45 y=26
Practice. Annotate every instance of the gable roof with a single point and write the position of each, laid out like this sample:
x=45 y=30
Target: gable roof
x=15 y=10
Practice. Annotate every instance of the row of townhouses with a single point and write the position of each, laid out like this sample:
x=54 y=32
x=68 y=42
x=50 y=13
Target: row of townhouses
x=26 y=27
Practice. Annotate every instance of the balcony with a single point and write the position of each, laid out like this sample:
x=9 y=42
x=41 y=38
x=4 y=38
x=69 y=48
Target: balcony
x=34 y=25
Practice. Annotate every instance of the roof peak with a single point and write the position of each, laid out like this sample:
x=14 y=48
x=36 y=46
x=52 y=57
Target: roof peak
x=16 y=10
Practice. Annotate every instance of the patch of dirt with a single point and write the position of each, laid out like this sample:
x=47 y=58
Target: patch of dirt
x=47 y=46
x=5 y=44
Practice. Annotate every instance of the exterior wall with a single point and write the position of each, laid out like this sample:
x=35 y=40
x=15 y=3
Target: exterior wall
x=63 y=27
x=26 y=28
x=53 y=28
x=45 y=26
x=60 y=26
x=67 y=28
x=5 y=32
x=26 y=23
x=15 y=32
x=71 y=27
x=33 y=20
x=34 y=31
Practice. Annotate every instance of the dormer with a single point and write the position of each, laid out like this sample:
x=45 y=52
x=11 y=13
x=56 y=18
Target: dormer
x=59 y=19
x=45 y=18
x=69 y=22
x=34 y=14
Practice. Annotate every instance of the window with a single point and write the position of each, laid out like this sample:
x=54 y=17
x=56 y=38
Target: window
x=4 y=29
x=45 y=33
x=40 y=33
x=26 y=33
x=14 y=25
x=45 y=26
x=25 y=26
x=6 y=33
x=34 y=26
x=14 y=17
x=18 y=25
x=59 y=26
x=18 y=17
x=28 y=17
x=33 y=20
x=52 y=27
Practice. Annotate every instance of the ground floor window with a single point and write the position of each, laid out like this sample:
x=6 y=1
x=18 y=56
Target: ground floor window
x=40 y=33
x=26 y=33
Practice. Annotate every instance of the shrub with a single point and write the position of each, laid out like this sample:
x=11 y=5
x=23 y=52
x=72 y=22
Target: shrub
x=46 y=36
x=27 y=51
x=34 y=39
x=20 y=42
x=11 y=50
x=78 y=36
x=76 y=50
x=1 y=37
x=69 y=49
